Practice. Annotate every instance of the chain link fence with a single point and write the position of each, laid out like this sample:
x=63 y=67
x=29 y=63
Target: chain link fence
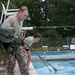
x=53 y=44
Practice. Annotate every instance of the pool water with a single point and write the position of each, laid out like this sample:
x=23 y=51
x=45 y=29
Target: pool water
x=52 y=53
x=63 y=67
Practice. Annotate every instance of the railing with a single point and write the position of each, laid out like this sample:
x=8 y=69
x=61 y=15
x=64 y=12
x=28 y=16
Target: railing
x=6 y=12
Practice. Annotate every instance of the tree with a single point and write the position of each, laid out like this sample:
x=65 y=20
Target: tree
x=48 y=13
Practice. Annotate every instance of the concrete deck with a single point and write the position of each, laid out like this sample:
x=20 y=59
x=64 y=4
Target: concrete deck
x=31 y=71
x=16 y=70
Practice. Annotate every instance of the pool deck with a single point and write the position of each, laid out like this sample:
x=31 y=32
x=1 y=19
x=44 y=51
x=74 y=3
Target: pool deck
x=16 y=70
x=31 y=71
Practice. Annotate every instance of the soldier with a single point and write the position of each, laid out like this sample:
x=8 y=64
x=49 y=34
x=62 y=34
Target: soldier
x=15 y=22
x=29 y=41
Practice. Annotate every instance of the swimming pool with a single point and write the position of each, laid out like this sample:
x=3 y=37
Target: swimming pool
x=64 y=68
x=68 y=55
x=52 y=53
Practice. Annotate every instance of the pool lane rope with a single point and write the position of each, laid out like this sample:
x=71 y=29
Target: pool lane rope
x=43 y=60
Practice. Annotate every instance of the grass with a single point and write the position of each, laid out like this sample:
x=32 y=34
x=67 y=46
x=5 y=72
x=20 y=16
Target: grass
x=3 y=56
x=48 y=49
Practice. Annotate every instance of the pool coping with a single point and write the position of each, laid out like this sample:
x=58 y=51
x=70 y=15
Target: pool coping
x=32 y=71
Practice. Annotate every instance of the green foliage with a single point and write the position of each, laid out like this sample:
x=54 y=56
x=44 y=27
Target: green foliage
x=54 y=13
x=3 y=56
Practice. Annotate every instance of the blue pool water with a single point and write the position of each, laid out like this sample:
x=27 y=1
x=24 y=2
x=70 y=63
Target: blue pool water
x=52 y=53
x=64 y=68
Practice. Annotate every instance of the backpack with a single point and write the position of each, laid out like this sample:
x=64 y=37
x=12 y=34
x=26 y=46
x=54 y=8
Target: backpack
x=6 y=35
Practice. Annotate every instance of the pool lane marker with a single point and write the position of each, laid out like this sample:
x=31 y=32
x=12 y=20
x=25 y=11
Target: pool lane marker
x=43 y=60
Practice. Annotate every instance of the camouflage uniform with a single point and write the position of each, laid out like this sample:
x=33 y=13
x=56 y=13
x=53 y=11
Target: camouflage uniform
x=12 y=22
x=20 y=57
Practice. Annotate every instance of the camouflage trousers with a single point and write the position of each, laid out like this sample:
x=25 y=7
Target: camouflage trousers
x=20 y=57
